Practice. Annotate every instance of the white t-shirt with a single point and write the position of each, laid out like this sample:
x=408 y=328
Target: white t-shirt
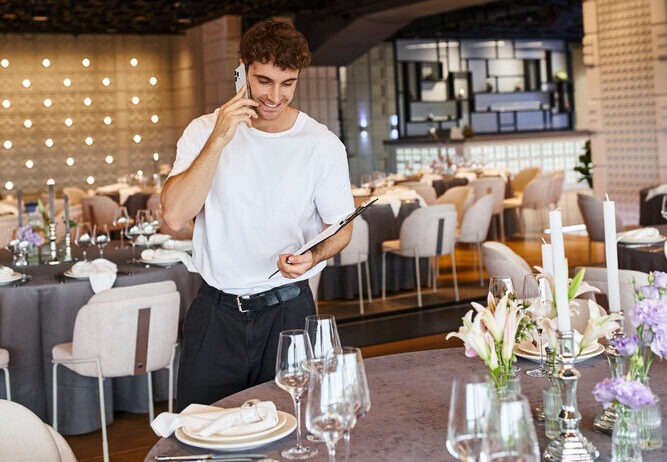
x=271 y=193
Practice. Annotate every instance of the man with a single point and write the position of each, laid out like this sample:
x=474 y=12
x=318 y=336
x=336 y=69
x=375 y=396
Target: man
x=262 y=179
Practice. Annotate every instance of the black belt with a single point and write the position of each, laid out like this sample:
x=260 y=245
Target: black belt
x=270 y=297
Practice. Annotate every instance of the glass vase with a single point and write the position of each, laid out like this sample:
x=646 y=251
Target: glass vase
x=649 y=420
x=551 y=405
x=625 y=445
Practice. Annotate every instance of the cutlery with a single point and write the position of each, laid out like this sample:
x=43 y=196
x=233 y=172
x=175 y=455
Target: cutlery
x=213 y=457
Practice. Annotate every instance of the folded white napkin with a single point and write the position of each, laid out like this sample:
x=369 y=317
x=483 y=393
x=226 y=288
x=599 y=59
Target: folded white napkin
x=5 y=273
x=657 y=191
x=101 y=273
x=169 y=255
x=200 y=420
x=648 y=234
x=178 y=244
x=158 y=239
x=361 y=191
x=395 y=196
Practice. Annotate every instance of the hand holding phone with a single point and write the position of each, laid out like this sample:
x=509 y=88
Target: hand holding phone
x=240 y=79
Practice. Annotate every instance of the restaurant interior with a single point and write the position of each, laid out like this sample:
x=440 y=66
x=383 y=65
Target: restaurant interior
x=497 y=115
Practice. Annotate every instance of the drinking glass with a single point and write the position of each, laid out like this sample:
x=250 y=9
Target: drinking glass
x=102 y=238
x=121 y=220
x=469 y=409
x=292 y=374
x=510 y=433
x=132 y=232
x=663 y=210
x=353 y=362
x=146 y=225
x=17 y=246
x=535 y=299
x=84 y=236
x=330 y=404
x=499 y=286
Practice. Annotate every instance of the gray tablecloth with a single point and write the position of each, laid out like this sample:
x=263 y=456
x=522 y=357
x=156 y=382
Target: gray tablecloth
x=643 y=258
x=40 y=314
x=410 y=400
x=649 y=211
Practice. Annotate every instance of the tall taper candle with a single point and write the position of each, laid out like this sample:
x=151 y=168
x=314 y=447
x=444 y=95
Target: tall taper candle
x=66 y=200
x=51 y=204
x=19 y=198
x=547 y=258
x=613 y=289
x=560 y=270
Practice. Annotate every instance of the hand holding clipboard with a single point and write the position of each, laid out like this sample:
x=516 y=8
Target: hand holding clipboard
x=330 y=231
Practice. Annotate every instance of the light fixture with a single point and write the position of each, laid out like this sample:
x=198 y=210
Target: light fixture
x=140 y=173
x=67 y=82
x=107 y=120
x=136 y=138
x=85 y=62
x=50 y=181
x=7 y=144
x=90 y=180
x=153 y=81
x=135 y=100
x=39 y=14
x=26 y=83
x=6 y=103
x=68 y=121
x=4 y=62
x=46 y=62
x=87 y=101
x=48 y=142
x=155 y=119
x=69 y=161
x=29 y=163
x=108 y=160
x=48 y=102
x=89 y=140
x=106 y=81
x=9 y=186
x=156 y=156
x=134 y=62
x=27 y=123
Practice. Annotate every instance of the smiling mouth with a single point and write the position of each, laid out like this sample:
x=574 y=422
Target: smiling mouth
x=270 y=105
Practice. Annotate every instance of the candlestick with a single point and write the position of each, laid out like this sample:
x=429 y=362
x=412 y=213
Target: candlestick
x=19 y=198
x=68 y=246
x=560 y=270
x=606 y=419
x=53 y=250
x=66 y=204
x=51 y=202
x=613 y=290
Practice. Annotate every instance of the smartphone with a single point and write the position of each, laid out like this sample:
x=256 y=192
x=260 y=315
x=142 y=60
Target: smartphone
x=240 y=79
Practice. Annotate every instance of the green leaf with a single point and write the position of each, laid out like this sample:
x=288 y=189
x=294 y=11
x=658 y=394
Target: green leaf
x=576 y=282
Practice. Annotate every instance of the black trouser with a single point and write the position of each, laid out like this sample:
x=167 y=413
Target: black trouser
x=225 y=350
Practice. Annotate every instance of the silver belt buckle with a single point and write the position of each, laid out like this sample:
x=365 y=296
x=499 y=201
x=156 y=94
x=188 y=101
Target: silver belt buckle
x=239 y=305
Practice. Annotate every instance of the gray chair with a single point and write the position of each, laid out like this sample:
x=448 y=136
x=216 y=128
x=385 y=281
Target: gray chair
x=475 y=227
x=522 y=178
x=500 y=260
x=537 y=196
x=4 y=365
x=591 y=209
x=121 y=332
x=493 y=185
x=461 y=196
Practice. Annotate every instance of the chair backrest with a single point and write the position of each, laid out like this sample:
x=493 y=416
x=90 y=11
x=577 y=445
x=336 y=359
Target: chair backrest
x=627 y=280
x=153 y=202
x=8 y=222
x=476 y=221
x=537 y=193
x=426 y=191
x=431 y=230
x=491 y=185
x=557 y=180
x=115 y=327
x=357 y=249
x=461 y=196
x=500 y=260
x=74 y=194
x=98 y=210
x=23 y=436
x=591 y=209
x=74 y=216
x=523 y=177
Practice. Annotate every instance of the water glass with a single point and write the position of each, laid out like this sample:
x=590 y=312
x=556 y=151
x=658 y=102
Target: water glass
x=551 y=404
x=102 y=238
x=84 y=236
x=353 y=362
x=499 y=286
x=510 y=433
x=469 y=409
x=121 y=220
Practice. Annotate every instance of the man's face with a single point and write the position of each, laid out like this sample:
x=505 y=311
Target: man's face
x=272 y=87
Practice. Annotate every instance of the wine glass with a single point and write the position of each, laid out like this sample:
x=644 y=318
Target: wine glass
x=510 y=432
x=83 y=237
x=355 y=372
x=499 y=286
x=292 y=374
x=132 y=232
x=330 y=404
x=469 y=409
x=102 y=238
x=121 y=220
x=535 y=300
x=663 y=210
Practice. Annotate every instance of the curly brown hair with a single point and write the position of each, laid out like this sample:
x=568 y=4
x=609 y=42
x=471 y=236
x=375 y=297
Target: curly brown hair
x=275 y=41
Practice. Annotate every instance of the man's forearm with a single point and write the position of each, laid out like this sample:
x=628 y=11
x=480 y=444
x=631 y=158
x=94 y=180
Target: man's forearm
x=333 y=245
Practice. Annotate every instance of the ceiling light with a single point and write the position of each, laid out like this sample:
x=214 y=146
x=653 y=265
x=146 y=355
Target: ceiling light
x=135 y=100
x=156 y=156
x=89 y=140
x=50 y=181
x=108 y=160
x=87 y=101
x=107 y=120
x=7 y=144
x=39 y=14
x=90 y=180
x=29 y=163
x=69 y=161
x=136 y=138
x=106 y=81
x=153 y=81
x=9 y=186
x=67 y=82
x=26 y=83
x=48 y=102
x=4 y=62
x=85 y=62
x=6 y=103
x=48 y=142
x=68 y=121
x=140 y=173
x=27 y=123
x=46 y=62
x=155 y=119
x=134 y=62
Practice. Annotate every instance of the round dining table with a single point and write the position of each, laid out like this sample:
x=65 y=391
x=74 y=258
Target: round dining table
x=410 y=396
x=39 y=313
x=643 y=257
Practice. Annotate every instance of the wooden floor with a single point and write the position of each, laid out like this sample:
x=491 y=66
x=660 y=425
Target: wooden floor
x=130 y=436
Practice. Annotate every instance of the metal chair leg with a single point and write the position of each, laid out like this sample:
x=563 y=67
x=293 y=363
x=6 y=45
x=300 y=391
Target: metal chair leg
x=8 y=389
x=361 y=288
x=151 y=411
x=54 y=391
x=456 y=282
x=384 y=275
x=418 y=280
x=368 y=283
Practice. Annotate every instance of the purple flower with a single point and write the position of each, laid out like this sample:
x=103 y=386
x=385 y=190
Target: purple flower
x=650 y=312
x=660 y=279
x=631 y=393
x=648 y=292
x=625 y=345
x=659 y=344
x=603 y=392
x=27 y=233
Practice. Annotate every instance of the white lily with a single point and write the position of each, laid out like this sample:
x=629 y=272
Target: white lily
x=598 y=326
x=511 y=324
x=494 y=321
x=473 y=336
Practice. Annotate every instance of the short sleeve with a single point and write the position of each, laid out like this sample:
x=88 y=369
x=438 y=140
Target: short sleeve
x=333 y=198
x=189 y=146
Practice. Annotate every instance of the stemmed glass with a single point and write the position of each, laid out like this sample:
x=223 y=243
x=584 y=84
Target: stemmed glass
x=330 y=404
x=469 y=410
x=121 y=220
x=663 y=210
x=499 y=286
x=148 y=225
x=510 y=432
x=292 y=374
x=535 y=300
x=17 y=246
x=361 y=398
x=132 y=232
x=84 y=236
x=102 y=238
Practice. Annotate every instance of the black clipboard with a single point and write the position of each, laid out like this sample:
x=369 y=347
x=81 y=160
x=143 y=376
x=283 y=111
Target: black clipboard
x=331 y=231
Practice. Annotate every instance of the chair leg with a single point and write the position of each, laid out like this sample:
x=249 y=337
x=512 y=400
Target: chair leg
x=54 y=388
x=151 y=412
x=8 y=389
x=480 y=261
x=418 y=280
x=361 y=288
x=171 y=377
x=384 y=275
x=436 y=272
x=103 y=417
x=456 y=282
x=368 y=283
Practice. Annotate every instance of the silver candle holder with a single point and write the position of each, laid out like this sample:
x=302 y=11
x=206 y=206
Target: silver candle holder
x=53 y=249
x=68 y=244
x=606 y=419
x=570 y=444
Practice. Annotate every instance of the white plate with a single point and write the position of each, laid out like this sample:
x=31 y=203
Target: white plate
x=159 y=262
x=13 y=278
x=69 y=274
x=233 y=438
x=521 y=354
x=528 y=348
x=185 y=246
x=247 y=443
x=642 y=240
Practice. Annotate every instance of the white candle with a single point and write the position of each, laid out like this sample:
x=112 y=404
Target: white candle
x=560 y=270
x=51 y=204
x=613 y=289
x=547 y=258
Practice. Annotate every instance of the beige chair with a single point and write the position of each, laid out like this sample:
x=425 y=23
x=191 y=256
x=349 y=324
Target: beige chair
x=591 y=209
x=627 y=280
x=522 y=178
x=493 y=185
x=500 y=260
x=426 y=232
x=74 y=216
x=74 y=195
x=475 y=227
x=537 y=197
x=356 y=253
x=557 y=180
x=24 y=437
x=427 y=192
x=121 y=332
x=4 y=366
x=461 y=196
x=99 y=211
